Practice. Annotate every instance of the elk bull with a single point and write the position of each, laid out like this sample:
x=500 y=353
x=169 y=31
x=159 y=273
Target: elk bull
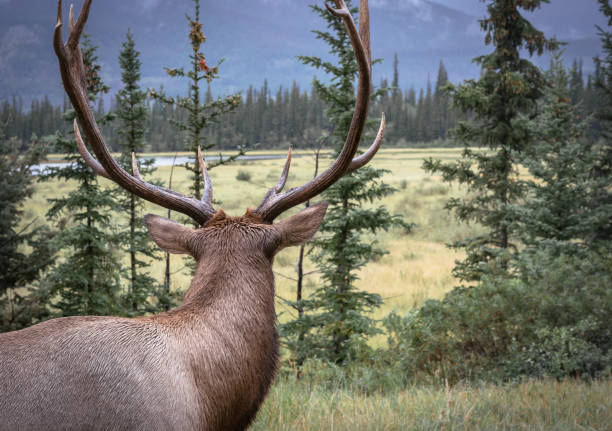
x=208 y=364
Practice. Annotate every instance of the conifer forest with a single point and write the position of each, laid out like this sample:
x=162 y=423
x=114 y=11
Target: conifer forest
x=274 y=118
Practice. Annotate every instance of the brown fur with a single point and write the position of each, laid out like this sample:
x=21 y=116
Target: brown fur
x=206 y=365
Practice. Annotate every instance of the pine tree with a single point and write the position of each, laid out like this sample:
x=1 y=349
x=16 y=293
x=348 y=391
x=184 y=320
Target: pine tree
x=603 y=112
x=411 y=97
x=563 y=214
x=199 y=115
x=441 y=103
x=428 y=123
x=395 y=111
x=25 y=252
x=86 y=280
x=132 y=114
x=576 y=83
x=591 y=99
x=501 y=101
x=410 y=115
x=335 y=324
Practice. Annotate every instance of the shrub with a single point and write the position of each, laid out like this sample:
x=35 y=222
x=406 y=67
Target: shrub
x=364 y=375
x=553 y=319
x=243 y=175
x=560 y=352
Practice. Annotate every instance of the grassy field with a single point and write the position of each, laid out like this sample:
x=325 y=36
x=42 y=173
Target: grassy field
x=417 y=267
x=545 y=405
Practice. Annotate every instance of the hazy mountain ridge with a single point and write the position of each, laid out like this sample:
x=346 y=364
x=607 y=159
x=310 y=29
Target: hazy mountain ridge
x=258 y=39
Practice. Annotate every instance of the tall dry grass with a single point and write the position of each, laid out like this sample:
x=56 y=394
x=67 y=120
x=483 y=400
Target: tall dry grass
x=546 y=405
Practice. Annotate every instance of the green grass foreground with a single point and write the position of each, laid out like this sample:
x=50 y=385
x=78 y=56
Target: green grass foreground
x=531 y=405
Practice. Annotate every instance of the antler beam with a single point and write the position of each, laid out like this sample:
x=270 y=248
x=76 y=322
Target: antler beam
x=75 y=84
x=275 y=202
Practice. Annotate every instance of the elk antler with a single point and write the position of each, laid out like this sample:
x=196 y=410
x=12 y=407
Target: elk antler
x=275 y=202
x=75 y=84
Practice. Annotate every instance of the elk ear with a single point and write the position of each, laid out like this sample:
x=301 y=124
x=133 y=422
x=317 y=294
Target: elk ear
x=169 y=235
x=299 y=228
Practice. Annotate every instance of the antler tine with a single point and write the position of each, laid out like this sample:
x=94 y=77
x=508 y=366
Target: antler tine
x=341 y=11
x=99 y=169
x=77 y=29
x=275 y=203
x=363 y=159
x=364 y=29
x=89 y=159
x=281 y=182
x=207 y=194
x=283 y=178
x=71 y=19
x=58 y=43
x=73 y=77
x=135 y=169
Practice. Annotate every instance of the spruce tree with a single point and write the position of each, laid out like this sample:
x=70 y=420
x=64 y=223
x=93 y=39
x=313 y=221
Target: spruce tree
x=564 y=213
x=396 y=113
x=336 y=323
x=25 y=251
x=602 y=171
x=501 y=102
x=200 y=115
x=132 y=114
x=87 y=278
x=428 y=123
x=410 y=102
x=576 y=83
x=441 y=102
x=419 y=118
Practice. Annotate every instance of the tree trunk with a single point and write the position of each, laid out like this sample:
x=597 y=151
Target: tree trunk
x=133 y=251
x=300 y=279
x=167 y=272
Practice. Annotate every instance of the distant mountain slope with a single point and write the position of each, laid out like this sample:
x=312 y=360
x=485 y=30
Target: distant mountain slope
x=258 y=38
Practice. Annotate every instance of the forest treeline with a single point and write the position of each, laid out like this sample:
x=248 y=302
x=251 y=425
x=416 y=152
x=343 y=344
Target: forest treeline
x=275 y=118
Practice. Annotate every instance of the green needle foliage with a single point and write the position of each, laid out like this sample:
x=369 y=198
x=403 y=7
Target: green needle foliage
x=201 y=113
x=132 y=113
x=570 y=205
x=553 y=315
x=22 y=298
x=564 y=212
x=335 y=323
x=603 y=86
x=501 y=102
x=86 y=281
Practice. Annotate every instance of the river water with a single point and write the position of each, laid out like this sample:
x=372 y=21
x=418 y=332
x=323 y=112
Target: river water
x=168 y=160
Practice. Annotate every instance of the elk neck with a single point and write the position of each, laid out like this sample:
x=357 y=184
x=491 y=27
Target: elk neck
x=232 y=280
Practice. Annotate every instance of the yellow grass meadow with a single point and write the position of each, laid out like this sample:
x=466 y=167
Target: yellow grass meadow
x=418 y=265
